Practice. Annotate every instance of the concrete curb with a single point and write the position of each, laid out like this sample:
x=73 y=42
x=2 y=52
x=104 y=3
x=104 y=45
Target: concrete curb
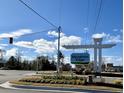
x=52 y=89
x=9 y=85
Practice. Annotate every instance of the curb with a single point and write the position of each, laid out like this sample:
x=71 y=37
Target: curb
x=52 y=89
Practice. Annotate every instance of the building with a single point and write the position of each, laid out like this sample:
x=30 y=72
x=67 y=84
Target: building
x=118 y=68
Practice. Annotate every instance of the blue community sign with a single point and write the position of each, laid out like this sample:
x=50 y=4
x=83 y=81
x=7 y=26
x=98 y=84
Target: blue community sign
x=80 y=58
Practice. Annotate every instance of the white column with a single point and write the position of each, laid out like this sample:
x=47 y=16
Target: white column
x=95 y=57
x=100 y=58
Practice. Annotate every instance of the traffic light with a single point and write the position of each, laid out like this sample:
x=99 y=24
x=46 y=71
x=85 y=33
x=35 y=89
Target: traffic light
x=11 y=40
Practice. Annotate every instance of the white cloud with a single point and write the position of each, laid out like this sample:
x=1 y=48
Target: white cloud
x=99 y=35
x=44 y=46
x=45 y=50
x=85 y=28
x=70 y=40
x=118 y=30
x=27 y=58
x=116 y=60
x=115 y=30
x=66 y=40
x=114 y=39
x=5 y=35
x=2 y=46
x=25 y=44
x=15 y=52
x=108 y=38
x=67 y=59
x=40 y=45
x=11 y=52
x=16 y=33
x=54 y=33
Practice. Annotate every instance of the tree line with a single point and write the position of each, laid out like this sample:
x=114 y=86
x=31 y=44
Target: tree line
x=40 y=63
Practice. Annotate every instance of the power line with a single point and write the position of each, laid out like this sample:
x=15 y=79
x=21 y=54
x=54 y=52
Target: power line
x=11 y=38
x=98 y=16
x=87 y=21
x=35 y=33
x=37 y=13
x=30 y=33
x=60 y=10
x=88 y=6
x=96 y=7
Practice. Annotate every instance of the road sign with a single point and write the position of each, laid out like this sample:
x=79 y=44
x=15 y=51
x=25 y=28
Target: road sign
x=80 y=58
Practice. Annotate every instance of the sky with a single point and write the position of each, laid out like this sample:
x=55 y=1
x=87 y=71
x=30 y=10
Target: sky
x=77 y=19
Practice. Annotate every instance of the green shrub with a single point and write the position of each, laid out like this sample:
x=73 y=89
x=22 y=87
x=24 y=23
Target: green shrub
x=34 y=81
x=42 y=81
x=52 y=82
x=64 y=81
x=56 y=80
x=37 y=81
x=61 y=81
x=47 y=80
x=118 y=82
x=77 y=82
x=22 y=80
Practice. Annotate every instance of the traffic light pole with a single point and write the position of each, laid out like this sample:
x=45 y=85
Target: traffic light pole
x=58 y=58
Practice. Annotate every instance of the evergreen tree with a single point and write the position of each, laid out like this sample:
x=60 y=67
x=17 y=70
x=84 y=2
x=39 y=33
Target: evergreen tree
x=12 y=63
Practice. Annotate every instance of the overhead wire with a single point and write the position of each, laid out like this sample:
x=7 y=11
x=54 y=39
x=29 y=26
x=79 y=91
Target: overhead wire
x=29 y=34
x=36 y=32
x=95 y=15
x=98 y=16
x=60 y=10
x=88 y=7
x=97 y=2
x=34 y=11
x=37 y=13
x=87 y=19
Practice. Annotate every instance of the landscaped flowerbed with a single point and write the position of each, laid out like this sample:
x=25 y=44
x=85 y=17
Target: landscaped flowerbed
x=56 y=80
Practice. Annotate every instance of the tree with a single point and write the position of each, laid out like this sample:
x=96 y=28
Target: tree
x=66 y=67
x=44 y=64
x=12 y=63
x=40 y=63
x=52 y=65
x=25 y=65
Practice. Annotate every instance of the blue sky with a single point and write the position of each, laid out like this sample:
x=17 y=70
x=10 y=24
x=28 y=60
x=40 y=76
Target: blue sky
x=72 y=15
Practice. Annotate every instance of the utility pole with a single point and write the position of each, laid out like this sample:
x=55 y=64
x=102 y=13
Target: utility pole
x=58 y=58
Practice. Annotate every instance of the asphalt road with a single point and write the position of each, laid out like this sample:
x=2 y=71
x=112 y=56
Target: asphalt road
x=7 y=75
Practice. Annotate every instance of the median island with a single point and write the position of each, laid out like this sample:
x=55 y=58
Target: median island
x=61 y=81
